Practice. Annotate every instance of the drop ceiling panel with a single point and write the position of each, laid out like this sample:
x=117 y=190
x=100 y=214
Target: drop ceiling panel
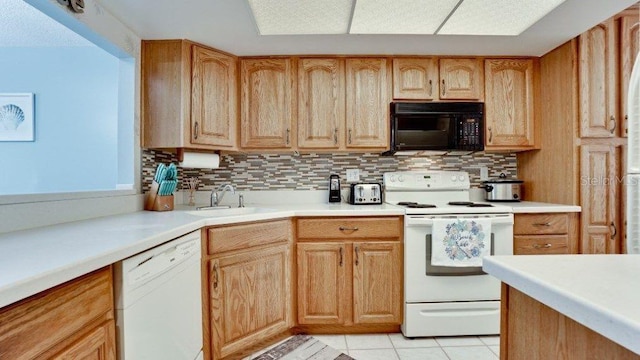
x=285 y=17
x=496 y=17
x=400 y=16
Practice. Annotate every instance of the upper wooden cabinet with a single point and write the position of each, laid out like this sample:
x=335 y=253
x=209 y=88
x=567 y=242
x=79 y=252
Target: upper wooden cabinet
x=598 y=54
x=267 y=103
x=415 y=78
x=461 y=79
x=321 y=103
x=509 y=104
x=629 y=48
x=188 y=96
x=368 y=89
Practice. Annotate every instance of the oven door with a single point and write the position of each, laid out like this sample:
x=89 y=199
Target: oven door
x=427 y=283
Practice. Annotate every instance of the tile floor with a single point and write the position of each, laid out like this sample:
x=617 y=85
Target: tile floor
x=397 y=347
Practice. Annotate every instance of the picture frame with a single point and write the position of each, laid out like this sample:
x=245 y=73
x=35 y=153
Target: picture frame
x=17 y=120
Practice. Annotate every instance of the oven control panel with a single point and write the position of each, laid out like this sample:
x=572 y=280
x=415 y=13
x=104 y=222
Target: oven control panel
x=426 y=180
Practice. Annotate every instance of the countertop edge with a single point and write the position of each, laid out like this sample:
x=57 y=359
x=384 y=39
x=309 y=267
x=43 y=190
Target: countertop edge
x=609 y=324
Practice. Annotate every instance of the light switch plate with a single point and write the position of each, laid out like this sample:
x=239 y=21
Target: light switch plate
x=353 y=175
x=484 y=173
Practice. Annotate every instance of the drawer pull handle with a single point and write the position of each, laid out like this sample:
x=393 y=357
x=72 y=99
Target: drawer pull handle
x=346 y=228
x=357 y=257
x=538 y=246
x=542 y=224
x=340 y=256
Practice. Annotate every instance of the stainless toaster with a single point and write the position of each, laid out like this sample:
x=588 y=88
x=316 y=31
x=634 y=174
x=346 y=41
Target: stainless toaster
x=365 y=194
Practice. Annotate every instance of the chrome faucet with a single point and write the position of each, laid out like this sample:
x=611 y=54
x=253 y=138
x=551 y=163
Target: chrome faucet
x=218 y=194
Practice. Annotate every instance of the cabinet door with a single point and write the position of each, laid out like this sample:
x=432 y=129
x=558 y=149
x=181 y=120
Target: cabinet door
x=377 y=283
x=99 y=344
x=599 y=185
x=598 y=81
x=267 y=103
x=460 y=79
x=321 y=106
x=368 y=93
x=509 y=103
x=249 y=297
x=323 y=296
x=213 y=98
x=415 y=78
x=630 y=46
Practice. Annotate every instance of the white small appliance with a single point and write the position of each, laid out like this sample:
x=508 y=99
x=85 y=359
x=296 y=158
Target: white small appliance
x=446 y=300
x=159 y=302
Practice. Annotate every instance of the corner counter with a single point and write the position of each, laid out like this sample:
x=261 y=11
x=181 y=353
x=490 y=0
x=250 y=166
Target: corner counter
x=569 y=306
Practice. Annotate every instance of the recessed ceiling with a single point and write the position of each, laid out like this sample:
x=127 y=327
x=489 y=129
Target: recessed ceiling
x=21 y=25
x=230 y=26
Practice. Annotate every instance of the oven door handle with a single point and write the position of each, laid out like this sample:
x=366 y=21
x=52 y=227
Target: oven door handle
x=428 y=220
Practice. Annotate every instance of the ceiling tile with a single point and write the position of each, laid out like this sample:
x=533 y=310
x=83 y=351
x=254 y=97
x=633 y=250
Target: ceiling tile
x=496 y=17
x=400 y=16
x=292 y=17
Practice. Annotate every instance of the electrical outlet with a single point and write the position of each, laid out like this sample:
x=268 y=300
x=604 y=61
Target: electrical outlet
x=353 y=175
x=484 y=173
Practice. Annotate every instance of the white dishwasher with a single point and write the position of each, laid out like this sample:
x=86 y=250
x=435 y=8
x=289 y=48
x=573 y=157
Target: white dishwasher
x=159 y=302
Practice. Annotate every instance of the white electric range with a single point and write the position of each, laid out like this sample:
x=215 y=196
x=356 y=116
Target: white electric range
x=443 y=300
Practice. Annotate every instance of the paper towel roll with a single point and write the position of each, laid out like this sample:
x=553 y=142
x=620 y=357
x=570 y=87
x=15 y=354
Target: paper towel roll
x=200 y=160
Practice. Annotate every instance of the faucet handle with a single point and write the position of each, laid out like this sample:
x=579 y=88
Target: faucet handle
x=241 y=200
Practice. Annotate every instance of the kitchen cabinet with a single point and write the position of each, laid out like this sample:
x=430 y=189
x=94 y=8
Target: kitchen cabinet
x=415 y=78
x=600 y=189
x=267 y=103
x=348 y=277
x=321 y=106
x=509 y=104
x=188 y=96
x=461 y=78
x=629 y=48
x=246 y=285
x=598 y=54
x=368 y=93
x=545 y=233
x=531 y=330
x=74 y=320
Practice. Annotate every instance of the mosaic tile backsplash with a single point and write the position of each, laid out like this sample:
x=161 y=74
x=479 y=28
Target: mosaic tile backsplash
x=311 y=171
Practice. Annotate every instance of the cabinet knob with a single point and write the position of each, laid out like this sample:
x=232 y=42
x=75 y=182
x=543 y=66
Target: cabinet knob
x=215 y=276
x=335 y=136
x=341 y=257
x=542 y=224
x=349 y=137
x=347 y=228
x=195 y=130
x=357 y=256
x=538 y=246
x=614 y=232
x=430 y=87
x=443 y=87
x=287 y=136
x=490 y=134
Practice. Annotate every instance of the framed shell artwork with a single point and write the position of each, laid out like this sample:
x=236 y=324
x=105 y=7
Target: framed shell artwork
x=16 y=117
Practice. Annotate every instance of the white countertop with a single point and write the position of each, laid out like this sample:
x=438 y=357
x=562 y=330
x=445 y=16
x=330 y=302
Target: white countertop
x=38 y=259
x=601 y=292
x=538 y=207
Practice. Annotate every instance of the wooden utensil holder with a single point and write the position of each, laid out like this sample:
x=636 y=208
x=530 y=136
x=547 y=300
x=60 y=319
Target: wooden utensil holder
x=155 y=202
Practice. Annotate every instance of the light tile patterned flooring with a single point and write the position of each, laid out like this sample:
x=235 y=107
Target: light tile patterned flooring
x=397 y=347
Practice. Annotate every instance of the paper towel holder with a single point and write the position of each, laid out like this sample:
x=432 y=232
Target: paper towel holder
x=180 y=154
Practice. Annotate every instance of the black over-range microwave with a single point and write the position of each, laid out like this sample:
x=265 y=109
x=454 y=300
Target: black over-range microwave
x=446 y=127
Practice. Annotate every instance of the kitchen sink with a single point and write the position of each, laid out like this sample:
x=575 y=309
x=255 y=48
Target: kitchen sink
x=229 y=211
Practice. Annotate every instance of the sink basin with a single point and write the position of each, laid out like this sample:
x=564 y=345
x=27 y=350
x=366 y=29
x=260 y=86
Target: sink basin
x=229 y=211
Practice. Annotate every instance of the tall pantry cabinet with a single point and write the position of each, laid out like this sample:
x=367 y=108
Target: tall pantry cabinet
x=583 y=130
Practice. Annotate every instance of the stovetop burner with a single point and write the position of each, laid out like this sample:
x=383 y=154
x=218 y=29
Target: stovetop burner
x=469 y=204
x=411 y=204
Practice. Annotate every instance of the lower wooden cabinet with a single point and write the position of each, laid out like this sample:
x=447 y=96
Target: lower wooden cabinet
x=545 y=233
x=74 y=320
x=247 y=286
x=351 y=278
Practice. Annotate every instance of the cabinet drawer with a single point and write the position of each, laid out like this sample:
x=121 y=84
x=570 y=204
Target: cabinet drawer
x=534 y=224
x=540 y=245
x=371 y=228
x=33 y=326
x=236 y=237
